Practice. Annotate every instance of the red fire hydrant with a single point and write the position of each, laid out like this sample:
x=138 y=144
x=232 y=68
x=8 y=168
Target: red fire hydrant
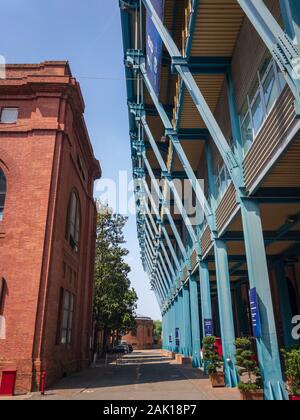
x=43 y=383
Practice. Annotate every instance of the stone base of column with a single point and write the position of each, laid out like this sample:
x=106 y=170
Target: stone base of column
x=181 y=360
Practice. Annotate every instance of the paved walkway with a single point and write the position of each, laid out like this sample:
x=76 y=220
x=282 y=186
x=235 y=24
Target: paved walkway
x=144 y=375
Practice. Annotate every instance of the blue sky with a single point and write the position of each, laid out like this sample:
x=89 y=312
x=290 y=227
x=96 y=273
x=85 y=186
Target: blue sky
x=88 y=35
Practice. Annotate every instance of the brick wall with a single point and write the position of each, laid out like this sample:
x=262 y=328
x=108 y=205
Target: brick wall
x=39 y=157
x=142 y=338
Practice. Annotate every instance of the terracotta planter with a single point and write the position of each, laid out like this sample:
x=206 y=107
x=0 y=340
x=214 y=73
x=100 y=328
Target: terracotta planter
x=294 y=398
x=217 y=380
x=252 y=395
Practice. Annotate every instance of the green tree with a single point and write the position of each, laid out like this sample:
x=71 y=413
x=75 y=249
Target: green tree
x=114 y=299
x=157 y=330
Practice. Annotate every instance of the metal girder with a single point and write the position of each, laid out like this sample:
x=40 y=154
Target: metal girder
x=157 y=229
x=209 y=65
x=156 y=235
x=201 y=134
x=278 y=42
x=203 y=65
x=269 y=236
x=166 y=209
x=170 y=183
x=157 y=270
x=179 y=64
x=172 y=134
x=158 y=254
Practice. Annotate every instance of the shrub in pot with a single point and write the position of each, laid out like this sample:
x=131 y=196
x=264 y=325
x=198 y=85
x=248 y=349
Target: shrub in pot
x=213 y=362
x=251 y=389
x=291 y=359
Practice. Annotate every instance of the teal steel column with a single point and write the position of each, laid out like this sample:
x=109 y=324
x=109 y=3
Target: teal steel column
x=268 y=352
x=187 y=321
x=205 y=295
x=286 y=14
x=167 y=330
x=285 y=305
x=177 y=320
x=181 y=323
x=195 y=321
x=173 y=323
x=226 y=314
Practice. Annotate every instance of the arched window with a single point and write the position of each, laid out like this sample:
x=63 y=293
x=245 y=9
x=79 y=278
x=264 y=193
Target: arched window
x=73 y=222
x=2 y=192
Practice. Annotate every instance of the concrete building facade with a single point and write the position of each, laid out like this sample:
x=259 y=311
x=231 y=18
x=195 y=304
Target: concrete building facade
x=47 y=224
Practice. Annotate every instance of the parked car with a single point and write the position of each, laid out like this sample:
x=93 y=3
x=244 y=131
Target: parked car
x=129 y=346
x=120 y=349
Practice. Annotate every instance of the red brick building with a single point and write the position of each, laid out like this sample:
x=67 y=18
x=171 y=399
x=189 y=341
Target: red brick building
x=142 y=337
x=47 y=224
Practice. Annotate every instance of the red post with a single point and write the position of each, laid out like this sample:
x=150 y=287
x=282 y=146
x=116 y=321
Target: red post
x=43 y=383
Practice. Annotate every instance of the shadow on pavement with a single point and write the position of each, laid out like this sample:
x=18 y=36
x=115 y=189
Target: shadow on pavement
x=132 y=370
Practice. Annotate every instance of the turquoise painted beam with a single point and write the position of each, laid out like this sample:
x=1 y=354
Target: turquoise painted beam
x=205 y=294
x=280 y=45
x=172 y=187
x=180 y=65
x=187 y=350
x=268 y=351
x=226 y=314
x=164 y=231
x=234 y=119
x=195 y=321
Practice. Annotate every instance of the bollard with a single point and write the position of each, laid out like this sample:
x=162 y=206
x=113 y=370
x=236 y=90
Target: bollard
x=43 y=383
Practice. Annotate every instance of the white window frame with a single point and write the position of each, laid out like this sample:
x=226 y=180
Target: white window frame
x=222 y=169
x=4 y=193
x=9 y=108
x=260 y=91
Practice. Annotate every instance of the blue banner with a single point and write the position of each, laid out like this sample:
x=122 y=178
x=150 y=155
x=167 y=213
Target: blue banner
x=177 y=337
x=209 y=327
x=255 y=315
x=154 y=47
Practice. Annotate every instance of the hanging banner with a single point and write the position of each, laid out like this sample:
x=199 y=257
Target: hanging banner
x=255 y=315
x=154 y=47
x=177 y=337
x=209 y=327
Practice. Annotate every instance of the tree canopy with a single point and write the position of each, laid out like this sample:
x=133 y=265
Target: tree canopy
x=157 y=328
x=114 y=299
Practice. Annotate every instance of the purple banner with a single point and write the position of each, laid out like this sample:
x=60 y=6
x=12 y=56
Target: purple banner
x=154 y=47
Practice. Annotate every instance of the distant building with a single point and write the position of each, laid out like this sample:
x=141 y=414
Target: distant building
x=47 y=224
x=142 y=337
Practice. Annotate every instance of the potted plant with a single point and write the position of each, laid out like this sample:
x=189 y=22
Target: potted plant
x=251 y=389
x=213 y=362
x=291 y=359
